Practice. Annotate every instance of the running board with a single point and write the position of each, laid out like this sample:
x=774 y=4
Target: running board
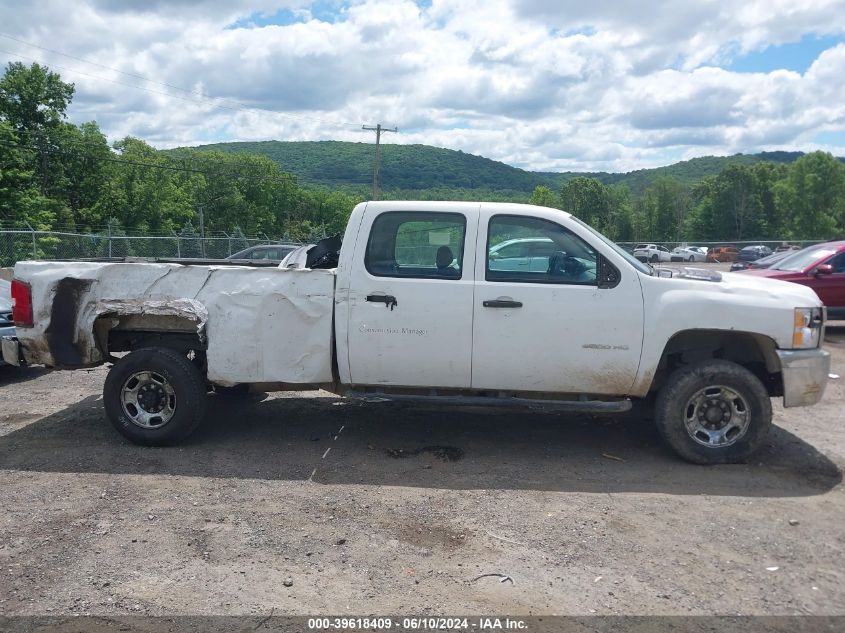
x=573 y=406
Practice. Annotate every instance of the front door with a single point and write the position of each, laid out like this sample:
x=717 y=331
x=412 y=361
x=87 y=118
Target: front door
x=551 y=328
x=831 y=288
x=410 y=302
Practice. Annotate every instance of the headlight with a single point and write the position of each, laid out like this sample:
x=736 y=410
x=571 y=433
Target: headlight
x=807 y=328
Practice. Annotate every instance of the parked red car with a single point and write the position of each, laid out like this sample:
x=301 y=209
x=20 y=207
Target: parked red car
x=821 y=267
x=723 y=254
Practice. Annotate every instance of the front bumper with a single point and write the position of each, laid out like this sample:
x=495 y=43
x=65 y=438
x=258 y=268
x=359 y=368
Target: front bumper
x=805 y=373
x=11 y=350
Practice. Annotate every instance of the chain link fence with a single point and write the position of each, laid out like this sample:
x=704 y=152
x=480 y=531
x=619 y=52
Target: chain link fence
x=27 y=244
x=21 y=244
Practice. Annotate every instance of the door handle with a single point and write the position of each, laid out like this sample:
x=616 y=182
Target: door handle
x=501 y=303
x=388 y=300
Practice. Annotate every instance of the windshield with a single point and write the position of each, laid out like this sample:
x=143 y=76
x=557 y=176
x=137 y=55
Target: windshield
x=772 y=259
x=643 y=268
x=802 y=259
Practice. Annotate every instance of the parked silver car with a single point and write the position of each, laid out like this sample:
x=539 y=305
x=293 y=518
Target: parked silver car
x=272 y=252
x=689 y=254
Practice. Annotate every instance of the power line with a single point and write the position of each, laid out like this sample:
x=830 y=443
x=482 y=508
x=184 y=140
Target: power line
x=199 y=97
x=378 y=129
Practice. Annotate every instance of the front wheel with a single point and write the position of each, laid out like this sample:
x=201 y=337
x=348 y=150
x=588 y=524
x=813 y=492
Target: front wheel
x=691 y=259
x=713 y=412
x=155 y=396
x=654 y=258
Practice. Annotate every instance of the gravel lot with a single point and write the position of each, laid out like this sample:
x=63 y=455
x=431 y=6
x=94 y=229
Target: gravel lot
x=388 y=509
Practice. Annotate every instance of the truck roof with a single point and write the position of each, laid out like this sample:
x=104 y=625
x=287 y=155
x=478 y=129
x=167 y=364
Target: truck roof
x=457 y=205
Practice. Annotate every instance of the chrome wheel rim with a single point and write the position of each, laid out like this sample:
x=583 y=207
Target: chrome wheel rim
x=716 y=416
x=148 y=399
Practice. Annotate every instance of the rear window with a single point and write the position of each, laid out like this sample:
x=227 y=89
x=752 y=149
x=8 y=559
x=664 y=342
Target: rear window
x=417 y=244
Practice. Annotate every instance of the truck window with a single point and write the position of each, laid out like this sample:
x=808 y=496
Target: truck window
x=561 y=257
x=420 y=244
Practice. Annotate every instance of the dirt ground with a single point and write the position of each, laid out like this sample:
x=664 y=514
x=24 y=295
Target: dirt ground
x=387 y=509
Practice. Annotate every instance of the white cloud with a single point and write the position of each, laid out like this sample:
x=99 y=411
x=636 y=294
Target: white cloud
x=555 y=86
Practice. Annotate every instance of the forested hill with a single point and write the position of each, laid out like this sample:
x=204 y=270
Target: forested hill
x=417 y=167
x=423 y=168
x=687 y=172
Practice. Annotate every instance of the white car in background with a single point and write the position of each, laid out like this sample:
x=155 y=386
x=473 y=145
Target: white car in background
x=652 y=253
x=689 y=254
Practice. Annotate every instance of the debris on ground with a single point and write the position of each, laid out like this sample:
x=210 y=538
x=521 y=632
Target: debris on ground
x=443 y=453
x=502 y=577
x=613 y=457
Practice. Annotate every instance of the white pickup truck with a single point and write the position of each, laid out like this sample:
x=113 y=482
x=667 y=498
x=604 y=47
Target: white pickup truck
x=416 y=307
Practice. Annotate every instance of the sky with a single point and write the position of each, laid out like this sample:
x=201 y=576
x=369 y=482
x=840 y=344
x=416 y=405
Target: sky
x=552 y=85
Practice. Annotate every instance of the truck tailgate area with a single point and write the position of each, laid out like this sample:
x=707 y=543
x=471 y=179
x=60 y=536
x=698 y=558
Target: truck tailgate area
x=261 y=324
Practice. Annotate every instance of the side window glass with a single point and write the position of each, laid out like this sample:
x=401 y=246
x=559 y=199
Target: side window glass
x=558 y=256
x=838 y=263
x=426 y=245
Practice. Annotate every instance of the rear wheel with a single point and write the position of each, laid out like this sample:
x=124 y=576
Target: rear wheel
x=155 y=396
x=654 y=258
x=713 y=412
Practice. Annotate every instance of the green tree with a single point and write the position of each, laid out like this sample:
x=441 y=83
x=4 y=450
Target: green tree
x=812 y=196
x=663 y=208
x=33 y=98
x=586 y=199
x=544 y=197
x=622 y=223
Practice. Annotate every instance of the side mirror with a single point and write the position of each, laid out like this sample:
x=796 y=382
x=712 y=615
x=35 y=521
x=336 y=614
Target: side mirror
x=823 y=269
x=494 y=255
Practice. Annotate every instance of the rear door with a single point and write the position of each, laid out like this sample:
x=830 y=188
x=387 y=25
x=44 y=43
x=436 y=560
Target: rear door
x=553 y=330
x=410 y=297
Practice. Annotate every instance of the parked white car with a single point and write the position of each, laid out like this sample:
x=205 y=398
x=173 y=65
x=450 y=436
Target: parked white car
x=689 y=254
x=524 y=253
x=652 y=253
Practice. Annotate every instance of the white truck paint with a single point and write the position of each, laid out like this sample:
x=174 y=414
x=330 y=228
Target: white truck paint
x=588 y=326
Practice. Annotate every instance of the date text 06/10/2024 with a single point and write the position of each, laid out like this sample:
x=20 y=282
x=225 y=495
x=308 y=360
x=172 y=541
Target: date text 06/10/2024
x=418 y=624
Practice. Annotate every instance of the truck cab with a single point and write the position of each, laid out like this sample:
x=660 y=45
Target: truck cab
x=424 y=301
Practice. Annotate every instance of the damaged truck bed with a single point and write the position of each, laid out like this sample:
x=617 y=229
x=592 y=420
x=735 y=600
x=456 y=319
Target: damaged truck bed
x=256 y=325
x=451 y=302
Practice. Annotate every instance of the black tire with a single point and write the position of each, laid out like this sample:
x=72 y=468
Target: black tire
x=680 y=401
x=182 y=378
x=691 y=259
x=654 y=258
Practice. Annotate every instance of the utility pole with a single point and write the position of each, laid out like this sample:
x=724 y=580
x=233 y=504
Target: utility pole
x=378 y=129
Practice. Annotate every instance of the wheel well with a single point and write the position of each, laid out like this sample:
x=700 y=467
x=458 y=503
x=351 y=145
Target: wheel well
x=126 y=333
x=755 y=352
